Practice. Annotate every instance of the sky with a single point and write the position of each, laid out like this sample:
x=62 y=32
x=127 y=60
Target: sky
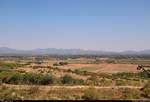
x=108 y=25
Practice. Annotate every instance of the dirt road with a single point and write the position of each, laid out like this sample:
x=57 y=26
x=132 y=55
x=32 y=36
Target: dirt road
x=41 y=87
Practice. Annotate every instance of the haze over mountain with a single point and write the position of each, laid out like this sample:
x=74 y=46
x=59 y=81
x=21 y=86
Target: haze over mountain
x=109 y=25
x=6 y=50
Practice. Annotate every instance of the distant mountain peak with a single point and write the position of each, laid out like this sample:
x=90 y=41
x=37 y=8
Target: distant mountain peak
x=6 y=50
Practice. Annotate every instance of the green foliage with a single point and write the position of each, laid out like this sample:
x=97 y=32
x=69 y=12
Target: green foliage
x=56 y=64
x=38 y=62
x=19 y=65
x=46 y=79
x=71 y=81
x=69 y=70
x=79 y=82
x=60 y=64
x=27 y=78
x=7 y=65
x=63 y=63
x=78 y=71
x=125 y=75
x=28 y=63
x=39 y=79
x=67 y=79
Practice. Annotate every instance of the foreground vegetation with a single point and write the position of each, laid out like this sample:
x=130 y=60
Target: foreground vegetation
x=91 y=93
x=119 y=79
x=85 y=76
x=36 y=79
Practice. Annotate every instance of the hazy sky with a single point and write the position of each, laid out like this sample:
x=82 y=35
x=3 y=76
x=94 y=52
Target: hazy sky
x=111 y=25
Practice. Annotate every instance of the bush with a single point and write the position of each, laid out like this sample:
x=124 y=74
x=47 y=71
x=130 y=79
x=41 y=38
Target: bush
x=39 y=79
x=60 y=64
x=80 y=72
x=27 y=78
x=38 y=62
x=69 y=70
x=30 y=78
x=46 y=79
x=142 y=75
x=67 y=79
x=77 y=71
x=79 y=82
x=36 y=79
x=7 y=65
x=63 y=63
x=130 y=75
x=6 y=76
x=15 y=79
x=55 y=64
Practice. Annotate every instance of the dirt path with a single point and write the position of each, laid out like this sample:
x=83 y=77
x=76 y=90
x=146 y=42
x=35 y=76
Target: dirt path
x=41 y=87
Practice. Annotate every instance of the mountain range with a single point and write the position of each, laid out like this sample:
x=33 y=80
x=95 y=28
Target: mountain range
x=51 y=51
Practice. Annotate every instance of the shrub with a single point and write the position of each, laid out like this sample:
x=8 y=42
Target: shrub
x=7 y=65
x=67 y=79
x=60 y=64
x=38 y=79
x=80 y=72
x=55 y=64
x=143 y=75
x=6 y=76
x=15 y=79
x=30 y=78
x=27 y=78
x=46 y=79
x=130 y=75
x=77 y=71
x=79 y=82
x=69 y=70
x=63 y=63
